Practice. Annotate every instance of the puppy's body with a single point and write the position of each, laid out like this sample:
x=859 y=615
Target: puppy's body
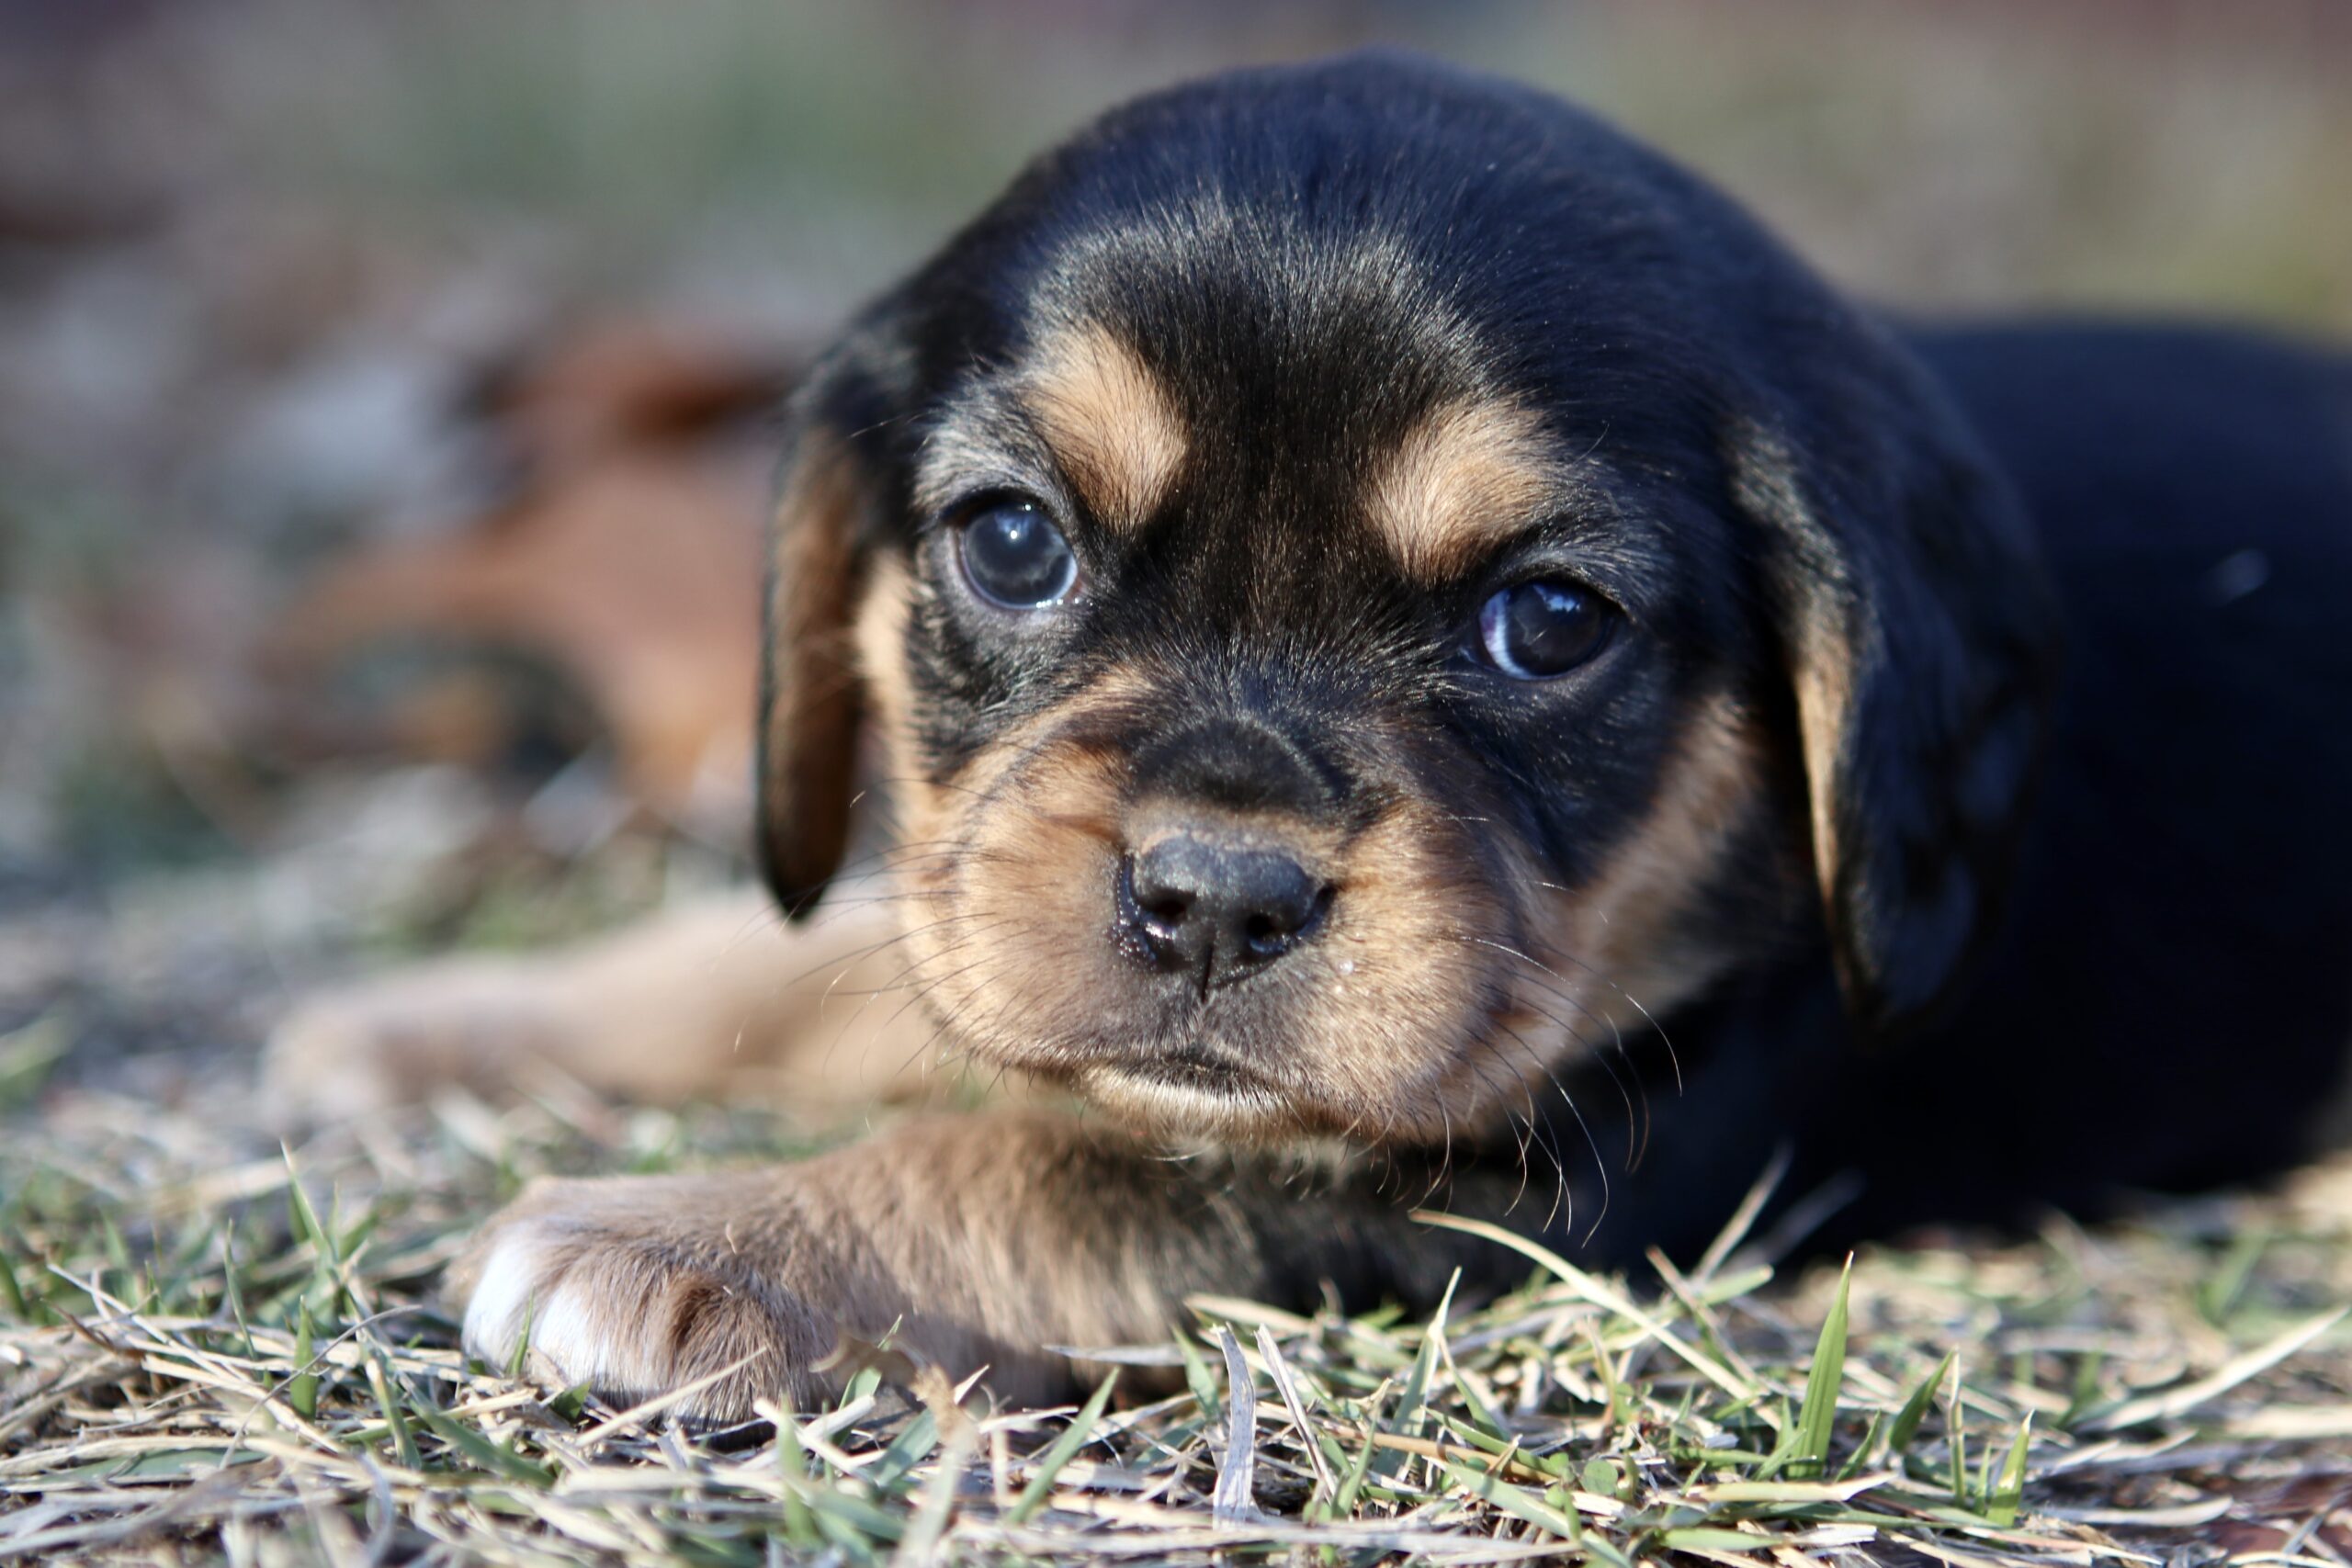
x=2167 y=1004
x=2169 y=1001
x=1405 y=628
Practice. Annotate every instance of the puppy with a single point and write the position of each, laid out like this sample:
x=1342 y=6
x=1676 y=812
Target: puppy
x=1421 y=657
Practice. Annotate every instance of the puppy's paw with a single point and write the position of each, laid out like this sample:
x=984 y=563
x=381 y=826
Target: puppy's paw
x=367 y=1048
x=639 y=1286
x=328 y=1061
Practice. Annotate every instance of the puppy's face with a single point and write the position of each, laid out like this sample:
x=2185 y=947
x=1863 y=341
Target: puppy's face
x=1293 y=737
x=1315 y=608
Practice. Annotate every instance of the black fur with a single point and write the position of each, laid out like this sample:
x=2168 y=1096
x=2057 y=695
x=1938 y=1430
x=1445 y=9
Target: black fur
x=2089 y=890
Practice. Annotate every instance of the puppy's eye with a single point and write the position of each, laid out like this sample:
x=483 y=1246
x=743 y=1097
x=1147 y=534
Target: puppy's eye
x=1015 y=557
x=1536 y=630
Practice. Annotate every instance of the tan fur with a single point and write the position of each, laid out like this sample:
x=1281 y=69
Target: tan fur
x=1461 y=481
x=1825 y=636
x=921 y=1227
x=1823 y=682
x=1625 y=924
x=1108 y=420
x=990 y=1238
x=880 y=635
x=1399 y=1045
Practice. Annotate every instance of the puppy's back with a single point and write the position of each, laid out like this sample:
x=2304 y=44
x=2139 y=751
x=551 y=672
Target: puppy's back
x=2174 y=988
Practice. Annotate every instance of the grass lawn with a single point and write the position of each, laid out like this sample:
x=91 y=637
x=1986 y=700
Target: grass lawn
x=211 y=1350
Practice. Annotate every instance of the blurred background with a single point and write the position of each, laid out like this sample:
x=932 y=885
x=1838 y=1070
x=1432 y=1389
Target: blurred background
x=387 y=390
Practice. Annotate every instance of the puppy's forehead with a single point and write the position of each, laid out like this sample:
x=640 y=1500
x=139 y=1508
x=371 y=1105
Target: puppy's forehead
x=1311 y=381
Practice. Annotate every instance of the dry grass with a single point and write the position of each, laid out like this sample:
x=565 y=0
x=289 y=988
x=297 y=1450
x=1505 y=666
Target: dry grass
x=209 y=1351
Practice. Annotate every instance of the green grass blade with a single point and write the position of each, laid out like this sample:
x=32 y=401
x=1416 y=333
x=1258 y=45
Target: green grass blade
x=799 y=1528
x=1711 y=1537
x=1388 y=1464
x=1863 y=1449
x=1064 y=1450
x=1517 y=1502
x=12 y=1292
x=1914 y=1408
x=480 y=1452
x=380 y=1379
x=848 y=1519
x=1817 y=1416
x=1417 y=1383
x=304 y=1217
x=1597 y=1293
x=907 y=1449
x=2008 y=1491
x=2084 y=1394
x=2223 y=1290
x=520 y=1357
x=1351 y=1486
x=1956 y=1427
x=1196 y=1375
x=302 y=1389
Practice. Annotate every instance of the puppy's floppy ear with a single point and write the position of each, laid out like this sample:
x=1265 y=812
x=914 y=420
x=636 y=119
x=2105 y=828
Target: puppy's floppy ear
x=811 y=697
x=1920 y=639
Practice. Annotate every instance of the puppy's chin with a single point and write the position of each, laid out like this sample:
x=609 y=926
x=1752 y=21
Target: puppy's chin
x=1183 y=1103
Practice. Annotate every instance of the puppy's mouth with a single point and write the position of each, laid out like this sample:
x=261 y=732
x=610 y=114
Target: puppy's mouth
x=1192 y=1086
x=1193 y=1065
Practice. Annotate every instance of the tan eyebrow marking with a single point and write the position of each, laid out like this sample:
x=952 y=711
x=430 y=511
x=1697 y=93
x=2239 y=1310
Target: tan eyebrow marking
x=1465 y=477
x=1109 y=420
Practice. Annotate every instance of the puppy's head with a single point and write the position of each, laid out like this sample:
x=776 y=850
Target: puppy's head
x=1370 y=586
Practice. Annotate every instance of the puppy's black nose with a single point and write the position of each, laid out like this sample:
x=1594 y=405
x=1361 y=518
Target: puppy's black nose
x=1215 y=908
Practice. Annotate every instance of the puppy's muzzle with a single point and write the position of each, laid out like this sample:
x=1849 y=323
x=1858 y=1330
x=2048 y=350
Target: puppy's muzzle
x=1222 y=875
x=1216 y=907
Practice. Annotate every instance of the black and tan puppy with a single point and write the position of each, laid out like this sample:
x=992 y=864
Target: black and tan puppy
x=1418 y=654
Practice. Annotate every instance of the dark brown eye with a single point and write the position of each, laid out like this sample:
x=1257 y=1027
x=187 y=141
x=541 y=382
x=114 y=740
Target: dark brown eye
x=1015 y=557
x=1546 y=627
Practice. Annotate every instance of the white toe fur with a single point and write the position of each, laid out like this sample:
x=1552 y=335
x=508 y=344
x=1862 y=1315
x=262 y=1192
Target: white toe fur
x=588 y=1318
x=587 y=1341
x=504 y=1300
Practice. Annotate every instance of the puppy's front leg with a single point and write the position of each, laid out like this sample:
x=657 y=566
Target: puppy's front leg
x=718 y=996
x=985 y=1239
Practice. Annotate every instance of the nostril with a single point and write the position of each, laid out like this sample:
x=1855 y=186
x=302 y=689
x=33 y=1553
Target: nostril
x=1156 y=919
x=1168 y=909
x=1272 y=930
x=1264 y=937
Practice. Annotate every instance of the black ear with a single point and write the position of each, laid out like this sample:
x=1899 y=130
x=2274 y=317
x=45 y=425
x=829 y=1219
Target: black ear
x=811 y=697
x=1920 y=640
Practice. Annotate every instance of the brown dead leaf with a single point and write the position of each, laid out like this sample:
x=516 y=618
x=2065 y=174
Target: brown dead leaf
x=629 y=561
